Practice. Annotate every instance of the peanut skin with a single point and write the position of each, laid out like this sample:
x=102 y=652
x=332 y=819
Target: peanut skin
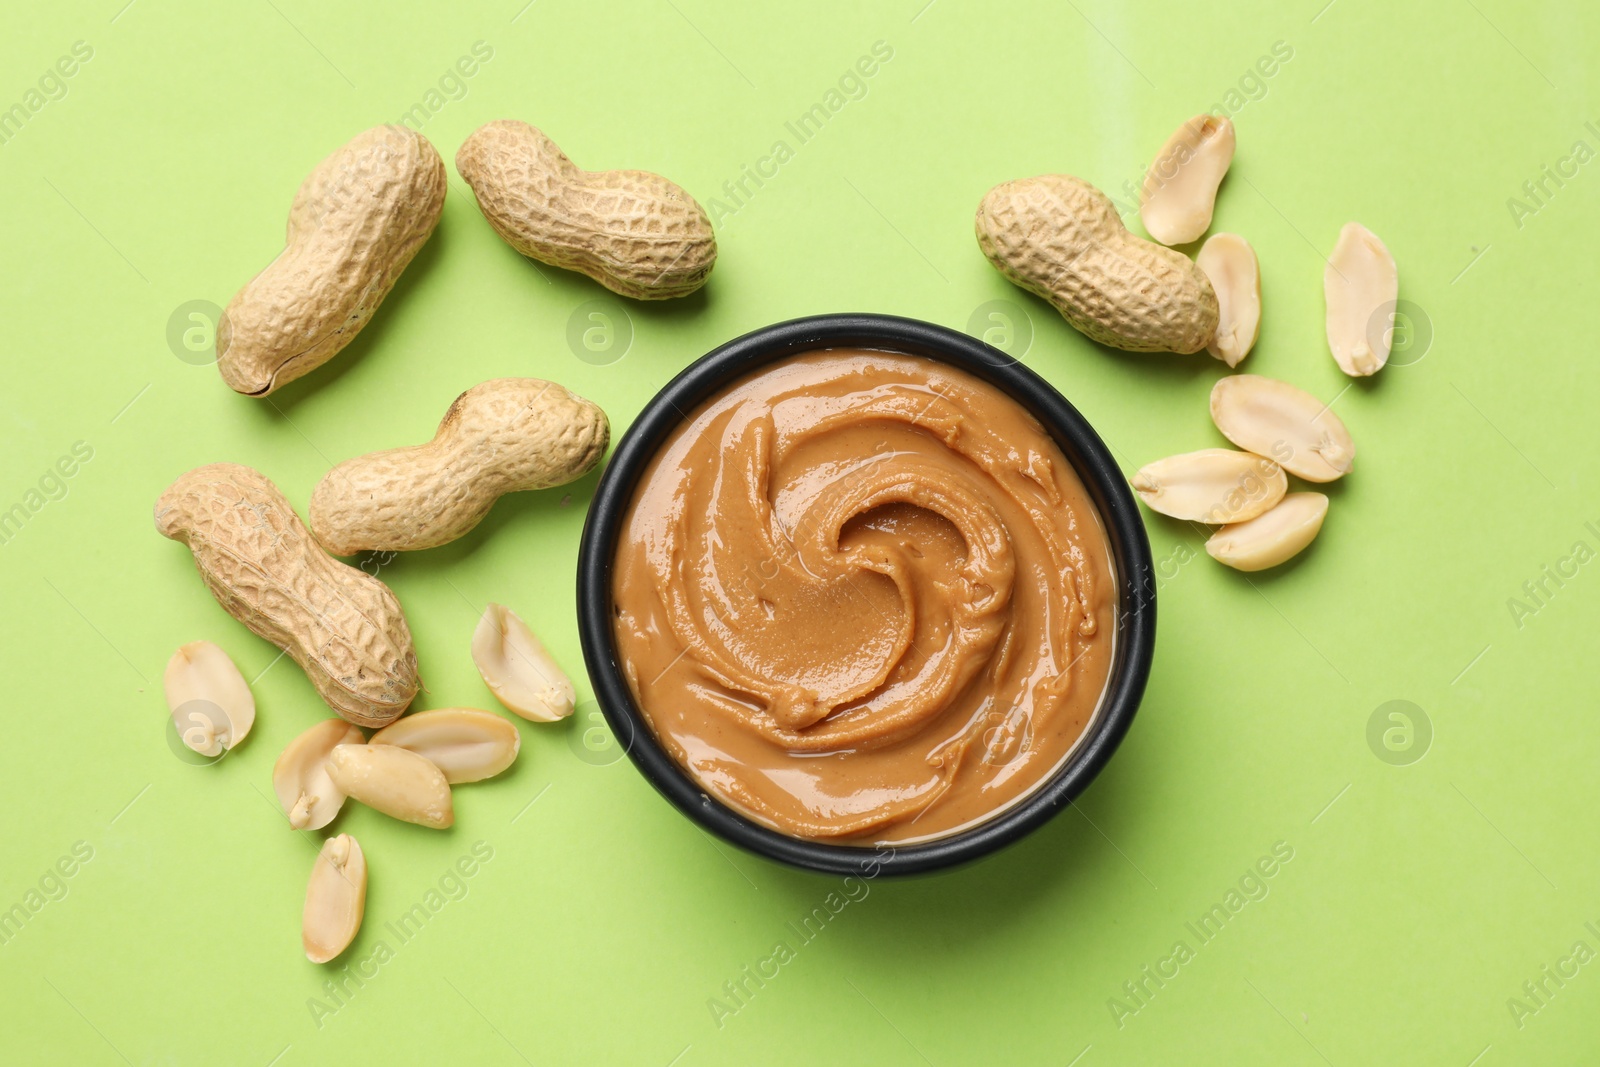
x=634 y=232
x=502 y=436
x=1060 y=238
x=356 y=222
x=344 y=627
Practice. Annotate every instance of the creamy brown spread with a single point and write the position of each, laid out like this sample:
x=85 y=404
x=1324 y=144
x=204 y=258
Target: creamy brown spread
x=863 y=595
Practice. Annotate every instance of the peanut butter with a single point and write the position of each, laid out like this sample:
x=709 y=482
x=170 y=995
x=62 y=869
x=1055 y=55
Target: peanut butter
x=863 y=596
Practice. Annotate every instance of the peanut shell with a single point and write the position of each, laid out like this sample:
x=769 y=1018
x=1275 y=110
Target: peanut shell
x=342 y=626
x=502 y=436
x=356 y=221
x=634 y=232
x=1061 y=238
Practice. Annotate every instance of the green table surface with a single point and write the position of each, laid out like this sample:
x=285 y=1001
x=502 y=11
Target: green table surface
x=1436 y=873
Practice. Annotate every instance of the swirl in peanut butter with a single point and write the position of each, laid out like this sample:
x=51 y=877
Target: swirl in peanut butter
x=862 y=595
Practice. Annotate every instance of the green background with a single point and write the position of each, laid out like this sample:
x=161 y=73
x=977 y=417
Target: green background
x=1420 y=896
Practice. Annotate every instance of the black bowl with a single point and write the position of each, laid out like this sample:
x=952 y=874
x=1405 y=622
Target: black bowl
x=1130 y=549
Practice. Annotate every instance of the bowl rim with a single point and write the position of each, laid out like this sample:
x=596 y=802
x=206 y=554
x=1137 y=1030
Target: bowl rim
x=1091 y=460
